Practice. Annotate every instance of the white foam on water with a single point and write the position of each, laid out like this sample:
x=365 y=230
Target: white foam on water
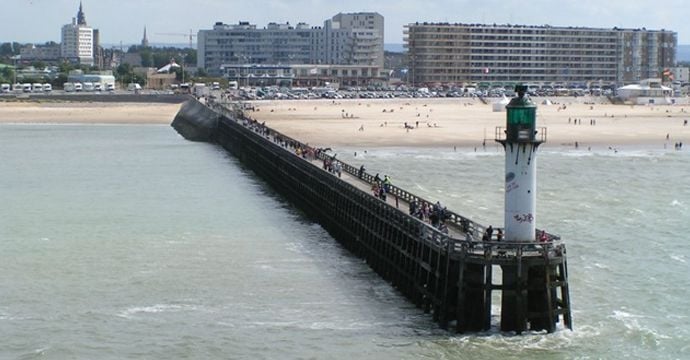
x=636 y=211
x=635 y=328
x=155 y=309
x=601 y=266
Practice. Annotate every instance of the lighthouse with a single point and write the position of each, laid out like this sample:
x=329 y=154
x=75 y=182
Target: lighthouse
x=525 y=286
x=520 y=144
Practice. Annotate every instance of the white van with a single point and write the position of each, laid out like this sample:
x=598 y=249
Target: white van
x=88 y=86
x=97 y=86
x=47 y=87
x=68 y=87
x=110 y=87
x=37 y=87
x=78 y=87
x=26 y=88
x=5 y=88
x=215 y=85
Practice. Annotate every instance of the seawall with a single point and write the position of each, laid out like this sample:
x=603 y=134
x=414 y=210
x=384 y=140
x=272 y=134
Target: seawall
x=100 y=97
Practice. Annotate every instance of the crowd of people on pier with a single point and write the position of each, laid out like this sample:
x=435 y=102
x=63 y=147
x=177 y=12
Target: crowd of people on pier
x=435 y=214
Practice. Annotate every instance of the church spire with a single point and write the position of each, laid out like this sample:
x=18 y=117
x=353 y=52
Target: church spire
x=145 y=40
x=81 y=18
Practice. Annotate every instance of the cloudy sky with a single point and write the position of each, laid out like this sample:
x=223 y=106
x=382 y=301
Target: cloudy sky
x=123 y=20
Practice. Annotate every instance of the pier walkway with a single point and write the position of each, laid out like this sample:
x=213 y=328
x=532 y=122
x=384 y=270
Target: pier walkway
x=459 y=227
x=449 y=273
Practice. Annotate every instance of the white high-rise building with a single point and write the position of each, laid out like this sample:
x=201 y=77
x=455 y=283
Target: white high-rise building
x=354 y=39
x=78 y=40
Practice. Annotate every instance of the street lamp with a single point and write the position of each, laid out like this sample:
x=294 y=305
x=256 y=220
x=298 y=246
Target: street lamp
x=15 y=58
x=182 y=57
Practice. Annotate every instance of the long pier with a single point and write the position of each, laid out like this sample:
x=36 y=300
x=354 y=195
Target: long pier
x=453 y=274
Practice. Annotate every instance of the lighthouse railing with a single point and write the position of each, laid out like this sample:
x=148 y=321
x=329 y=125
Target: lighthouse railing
x=501 y=134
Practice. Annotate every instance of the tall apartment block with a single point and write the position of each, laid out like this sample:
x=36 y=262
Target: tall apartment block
x=459 y=53
x=79 y=41
x=345 y=39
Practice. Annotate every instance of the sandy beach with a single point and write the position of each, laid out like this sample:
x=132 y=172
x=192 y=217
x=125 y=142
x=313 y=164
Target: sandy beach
x=87 y=112
x=464 y=122
x=445 y=122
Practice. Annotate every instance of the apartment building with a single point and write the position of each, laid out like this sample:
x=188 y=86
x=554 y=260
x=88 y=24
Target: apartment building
x=79 y=41
x=345 y=39
x=461 y=53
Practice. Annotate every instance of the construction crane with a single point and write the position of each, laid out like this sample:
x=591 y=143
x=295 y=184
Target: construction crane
x=190 y=35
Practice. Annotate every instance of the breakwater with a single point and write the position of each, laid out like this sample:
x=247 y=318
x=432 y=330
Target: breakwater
x=452 y=273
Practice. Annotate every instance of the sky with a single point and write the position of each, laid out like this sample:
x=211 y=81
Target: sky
x=39 y=21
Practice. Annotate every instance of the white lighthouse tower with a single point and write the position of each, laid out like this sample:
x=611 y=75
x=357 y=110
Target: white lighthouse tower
x=520 y=144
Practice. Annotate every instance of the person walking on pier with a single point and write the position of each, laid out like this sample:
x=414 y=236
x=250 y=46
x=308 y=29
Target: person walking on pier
x=543 y=237
x=413 y=207
x=386 y=183
x=361 y=171
x=338 y=168
x=488 y=234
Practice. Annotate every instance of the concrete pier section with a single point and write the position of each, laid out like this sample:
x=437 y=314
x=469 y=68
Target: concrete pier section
x=454 y=272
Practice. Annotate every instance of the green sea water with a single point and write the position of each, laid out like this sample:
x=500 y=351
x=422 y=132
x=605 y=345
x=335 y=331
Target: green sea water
x=127 y=241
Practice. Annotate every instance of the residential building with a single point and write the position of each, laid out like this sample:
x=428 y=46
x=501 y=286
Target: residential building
x=80 y=43
x=472 y=53
x=345 y=39
x=335 y=76
x=49 y=52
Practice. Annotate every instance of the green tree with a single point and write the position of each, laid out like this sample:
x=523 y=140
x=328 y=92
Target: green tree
x=146 y=58
x=39 y=64
x=59 y=81
x=6 y=74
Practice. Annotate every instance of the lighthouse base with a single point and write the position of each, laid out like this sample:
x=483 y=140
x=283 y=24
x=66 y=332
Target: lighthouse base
x=529 y=299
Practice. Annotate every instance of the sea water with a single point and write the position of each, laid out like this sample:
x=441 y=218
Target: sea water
x=127 y=241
